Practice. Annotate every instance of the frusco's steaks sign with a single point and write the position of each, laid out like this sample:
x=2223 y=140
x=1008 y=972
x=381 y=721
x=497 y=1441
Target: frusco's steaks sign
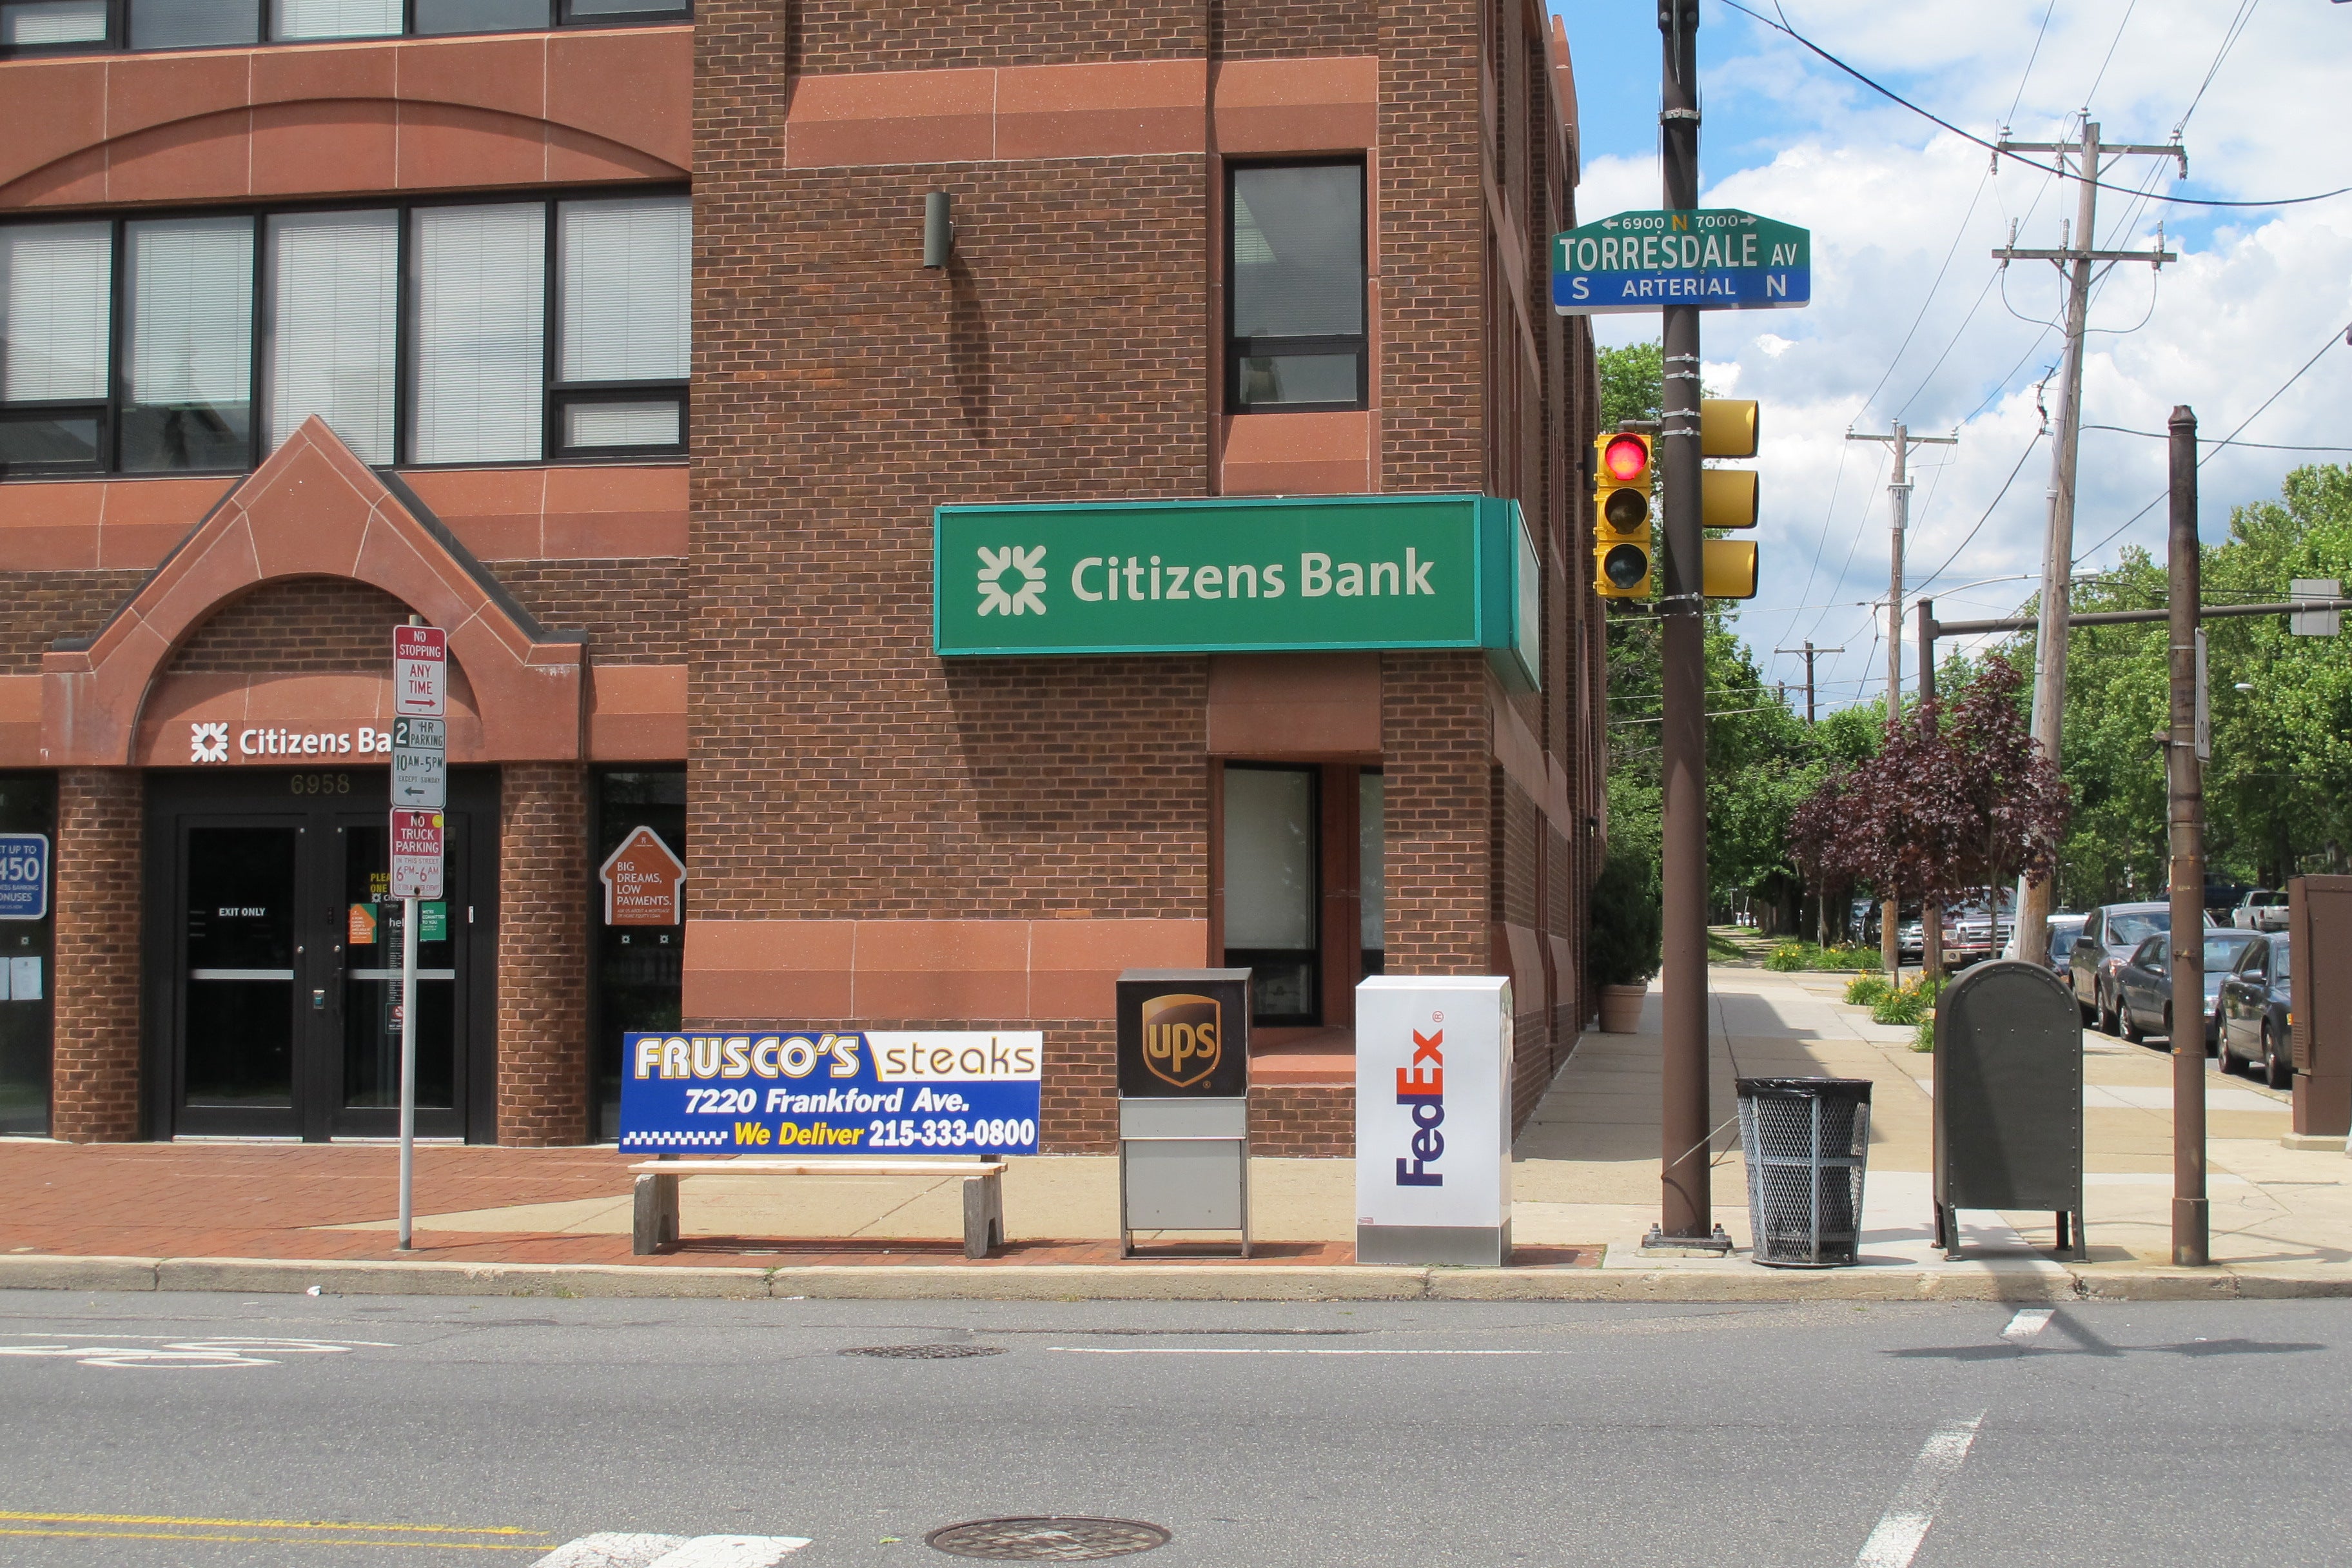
x=1232 y=576
x=814 y=1092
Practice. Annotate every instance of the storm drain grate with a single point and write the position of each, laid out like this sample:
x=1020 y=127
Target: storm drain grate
x=1048 y=1540
x=924 y=1353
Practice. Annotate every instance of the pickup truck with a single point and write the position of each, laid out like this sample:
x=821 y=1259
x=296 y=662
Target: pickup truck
x=2262 y=909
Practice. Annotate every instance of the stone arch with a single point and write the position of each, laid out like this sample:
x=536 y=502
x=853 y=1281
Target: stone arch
x=314 y=509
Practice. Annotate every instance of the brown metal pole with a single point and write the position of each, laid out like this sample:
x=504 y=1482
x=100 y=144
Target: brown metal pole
x=1686 y=1200
x=2191 y=1213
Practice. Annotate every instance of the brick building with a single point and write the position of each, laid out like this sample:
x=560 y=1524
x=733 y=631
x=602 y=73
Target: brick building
x=318 y=314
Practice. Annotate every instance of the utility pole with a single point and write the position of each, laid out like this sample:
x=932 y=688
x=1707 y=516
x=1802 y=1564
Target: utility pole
x=2191 y=1211
x=1899 y=495
x=1686 y=1221
x=1810 y=653
x=2076 y=250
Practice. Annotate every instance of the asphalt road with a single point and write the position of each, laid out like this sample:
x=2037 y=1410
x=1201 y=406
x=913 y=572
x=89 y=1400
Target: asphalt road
x=209 y=1430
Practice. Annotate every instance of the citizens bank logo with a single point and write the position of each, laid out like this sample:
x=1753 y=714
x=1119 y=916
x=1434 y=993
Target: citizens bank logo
x=1030 y=564
x=208 y=743
x=1183 y=1038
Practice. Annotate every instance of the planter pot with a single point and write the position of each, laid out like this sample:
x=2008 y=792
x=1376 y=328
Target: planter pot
x=1620 y=1008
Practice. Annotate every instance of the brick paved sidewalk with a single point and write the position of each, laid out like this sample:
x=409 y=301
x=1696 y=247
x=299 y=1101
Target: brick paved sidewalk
x=331 y=1202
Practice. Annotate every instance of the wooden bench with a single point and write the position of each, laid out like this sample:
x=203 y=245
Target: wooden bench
x=656 y=1220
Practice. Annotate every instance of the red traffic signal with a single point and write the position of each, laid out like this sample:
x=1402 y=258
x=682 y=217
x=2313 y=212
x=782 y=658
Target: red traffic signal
x=1626 y=458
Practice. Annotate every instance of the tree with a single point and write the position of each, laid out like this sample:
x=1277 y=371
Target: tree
x=2013 y=805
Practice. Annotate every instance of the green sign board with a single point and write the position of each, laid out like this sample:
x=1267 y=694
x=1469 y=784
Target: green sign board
x=1716 y=259
x=1235 y=575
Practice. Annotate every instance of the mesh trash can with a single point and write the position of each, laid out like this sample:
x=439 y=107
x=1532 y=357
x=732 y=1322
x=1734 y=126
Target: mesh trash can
x=1806 y=1140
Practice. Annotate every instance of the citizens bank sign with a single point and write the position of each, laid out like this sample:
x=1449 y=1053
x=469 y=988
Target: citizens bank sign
x=219 y=740
x=1241 y=575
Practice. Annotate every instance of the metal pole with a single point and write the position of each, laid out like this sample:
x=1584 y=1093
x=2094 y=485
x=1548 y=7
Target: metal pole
x=1685 y=1175
x=1931 y=915
x=407 y=1069
x=2191 y=1213
x=2058 y=543
x=1899 y=495
x=1809 y=680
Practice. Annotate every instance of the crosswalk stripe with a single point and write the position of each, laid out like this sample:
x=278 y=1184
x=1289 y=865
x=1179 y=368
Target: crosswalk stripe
x=611 y=1549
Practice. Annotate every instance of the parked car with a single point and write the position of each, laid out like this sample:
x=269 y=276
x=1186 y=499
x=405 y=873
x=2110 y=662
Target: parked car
x=2257 y=1016
x=1973 y=935
x=2144 y=985
x=2260 y=909
x=2110 y=933
x=2064 y=930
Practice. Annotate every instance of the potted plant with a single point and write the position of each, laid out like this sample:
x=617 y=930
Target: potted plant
x=1622 y=943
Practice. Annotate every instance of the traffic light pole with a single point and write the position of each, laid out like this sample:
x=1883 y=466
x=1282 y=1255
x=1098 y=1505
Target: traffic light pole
x=1686 y=1219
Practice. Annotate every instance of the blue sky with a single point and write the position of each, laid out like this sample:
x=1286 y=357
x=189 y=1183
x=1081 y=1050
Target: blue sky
x=1893 y=202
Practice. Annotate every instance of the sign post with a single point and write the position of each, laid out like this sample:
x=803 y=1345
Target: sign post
x=420 y=684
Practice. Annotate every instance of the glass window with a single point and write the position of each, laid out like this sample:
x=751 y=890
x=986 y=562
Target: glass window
x=626 y=267
x=45 y=23
x=193 y=24
x=28 y=805
x=1270 y=889
x=591 y=10
x=188 y=288
x=1295 y=269
x=2137 y=925
x=480 y=326
x=295 y=19
x=1371 y=868
x=479 y=16
x=334 y=315
x=640 y=956
x=53 y=343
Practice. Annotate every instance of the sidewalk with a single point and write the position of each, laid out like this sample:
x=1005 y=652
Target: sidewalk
x=251 y=1216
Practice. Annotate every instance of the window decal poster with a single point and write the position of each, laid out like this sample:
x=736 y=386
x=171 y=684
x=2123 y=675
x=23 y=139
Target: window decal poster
x=811 y=1092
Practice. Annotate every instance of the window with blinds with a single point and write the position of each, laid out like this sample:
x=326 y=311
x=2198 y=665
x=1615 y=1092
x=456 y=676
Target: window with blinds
x=334 y=315
x=481 y=325
x=83 y=27
x=54 y=340
x=490 y=331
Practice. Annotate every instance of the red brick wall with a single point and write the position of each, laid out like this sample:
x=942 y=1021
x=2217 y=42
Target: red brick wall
x=96 y=1058
x=634 y=611
x=1243 y=29
x=1303 y=1121
x=1439 y=807
x=542 y=1041
x=43 y=606
x=307 y=624
x=909 y=34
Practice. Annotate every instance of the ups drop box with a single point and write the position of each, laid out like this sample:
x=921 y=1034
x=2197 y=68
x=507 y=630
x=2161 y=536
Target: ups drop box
x=1183 y=1034
x=1183 y=1103
x=1433 y=1119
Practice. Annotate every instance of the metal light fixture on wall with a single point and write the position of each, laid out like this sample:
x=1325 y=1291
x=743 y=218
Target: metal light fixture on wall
x=939 y=230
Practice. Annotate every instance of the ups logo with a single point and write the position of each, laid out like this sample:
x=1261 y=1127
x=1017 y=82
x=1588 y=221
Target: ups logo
x=1182 y=1037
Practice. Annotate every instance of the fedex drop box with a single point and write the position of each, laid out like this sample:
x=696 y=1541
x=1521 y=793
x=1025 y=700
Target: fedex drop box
x=1433 y=1119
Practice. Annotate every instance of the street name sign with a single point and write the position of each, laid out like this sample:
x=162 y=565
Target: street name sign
x=415 y=853
x=420 y=671
x=420 y=763
x=1717 y=258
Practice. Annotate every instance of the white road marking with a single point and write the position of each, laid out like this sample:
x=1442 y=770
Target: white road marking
x=1237 y=1350
x=1904 y=1524
x=213 y=1353
x=2028 y=1321
x=611 y=1549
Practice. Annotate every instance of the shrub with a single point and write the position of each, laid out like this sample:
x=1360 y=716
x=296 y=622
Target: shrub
x=1867 y=990
x=1863 y=960
x=1788 y=957
x=1909 y=1004
x=1621 y=946
x=1924 y=1037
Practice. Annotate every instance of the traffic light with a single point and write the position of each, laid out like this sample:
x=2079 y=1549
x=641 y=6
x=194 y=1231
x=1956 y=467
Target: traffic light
x=1623 y=470
x=1727 y=498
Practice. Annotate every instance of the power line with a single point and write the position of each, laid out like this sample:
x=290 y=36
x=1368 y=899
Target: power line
x=2230 y=36
x=2032 y=55
x=2259 y=446
x=1997 y=499
x=2111 y=53
x=1891 y=96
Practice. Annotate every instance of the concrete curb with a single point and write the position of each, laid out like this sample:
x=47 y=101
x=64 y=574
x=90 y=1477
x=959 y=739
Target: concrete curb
x=1158 y=1282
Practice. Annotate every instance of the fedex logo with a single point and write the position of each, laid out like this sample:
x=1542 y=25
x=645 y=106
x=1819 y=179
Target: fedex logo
x=1421 y=1085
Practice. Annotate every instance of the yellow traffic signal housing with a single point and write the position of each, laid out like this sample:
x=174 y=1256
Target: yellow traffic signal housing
x=1623 y=471
x=1726 y=498
x=1727 y=428
x=1729 y=570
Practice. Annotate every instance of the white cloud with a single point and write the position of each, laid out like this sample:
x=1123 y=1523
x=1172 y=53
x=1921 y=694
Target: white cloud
x=1889 y=198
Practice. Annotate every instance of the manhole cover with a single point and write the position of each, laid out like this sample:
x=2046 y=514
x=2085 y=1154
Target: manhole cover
x=1051 y=1539
x=924 y=1353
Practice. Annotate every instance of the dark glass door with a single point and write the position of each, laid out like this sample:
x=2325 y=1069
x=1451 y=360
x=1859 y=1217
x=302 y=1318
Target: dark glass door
x=275 y=980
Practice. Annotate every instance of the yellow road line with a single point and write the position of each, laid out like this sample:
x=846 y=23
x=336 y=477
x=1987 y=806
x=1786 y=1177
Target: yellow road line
x=285 y=1539
x=261 y=1523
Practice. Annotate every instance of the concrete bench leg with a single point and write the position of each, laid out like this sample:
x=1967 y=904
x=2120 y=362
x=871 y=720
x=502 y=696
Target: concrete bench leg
x=984 y=1214
x=655 y=1219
